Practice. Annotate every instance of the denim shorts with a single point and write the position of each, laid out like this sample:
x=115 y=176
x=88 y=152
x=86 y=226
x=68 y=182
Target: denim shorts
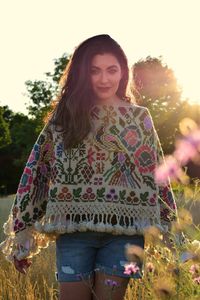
x=80 y=254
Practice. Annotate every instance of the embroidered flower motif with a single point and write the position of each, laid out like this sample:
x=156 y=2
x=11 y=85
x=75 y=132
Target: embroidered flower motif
x=112 y=196
x=147 y=123
x=152 y=200
x=26 y=181
x=132 y=198
x=89 y=195
x=37 y=213
x=144 y=159
x=18 y=225
x=131 y=137
x=65 y=194
x=121 y=157
x=98 y=181
x=100 y=156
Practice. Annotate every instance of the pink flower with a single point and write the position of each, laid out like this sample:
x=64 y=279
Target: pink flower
x=150 y=267
x=197 y=280
x=184 y=152
x=168 y=169
x=131 y=268
x=194 y=269
x=188 y=148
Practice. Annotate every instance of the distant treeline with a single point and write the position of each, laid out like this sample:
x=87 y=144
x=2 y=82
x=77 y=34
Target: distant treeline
x=154 y=87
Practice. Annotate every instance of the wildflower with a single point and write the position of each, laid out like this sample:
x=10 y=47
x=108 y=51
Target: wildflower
x=134 y=253
x=111 y=283
x=169 y=169
x=150 y=267
x=197 y=280
x=194 y=269
x=131 y=268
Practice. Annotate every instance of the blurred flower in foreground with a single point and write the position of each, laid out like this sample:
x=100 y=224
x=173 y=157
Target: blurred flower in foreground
x=194 y=269
x=185 y=219
x=134 y=253
x=197 y=280
x=131 y=268
x=164 y=288
x=150 y=267
x=152 y=235
x=194 y=249
x=187 y=148
x=170 y=168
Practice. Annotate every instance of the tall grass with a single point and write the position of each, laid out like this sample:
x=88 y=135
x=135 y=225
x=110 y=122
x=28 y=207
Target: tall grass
x=164 y=277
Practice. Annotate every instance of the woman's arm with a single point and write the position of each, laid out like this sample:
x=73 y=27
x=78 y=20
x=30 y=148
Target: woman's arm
x=30 y=202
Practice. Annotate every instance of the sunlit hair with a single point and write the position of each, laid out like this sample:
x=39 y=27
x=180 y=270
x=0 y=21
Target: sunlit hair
x=76 y=97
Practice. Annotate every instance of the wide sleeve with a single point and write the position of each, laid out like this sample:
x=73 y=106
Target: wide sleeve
x=166 y=199
x=29 y=206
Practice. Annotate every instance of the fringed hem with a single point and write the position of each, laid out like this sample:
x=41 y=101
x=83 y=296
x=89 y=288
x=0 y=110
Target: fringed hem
x=117 y=229
x=29 y=242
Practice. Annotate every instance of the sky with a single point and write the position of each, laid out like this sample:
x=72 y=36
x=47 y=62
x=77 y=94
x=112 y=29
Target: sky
x=35 y=32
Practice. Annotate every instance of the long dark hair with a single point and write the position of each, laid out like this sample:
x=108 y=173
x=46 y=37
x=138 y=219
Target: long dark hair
x=76 y=98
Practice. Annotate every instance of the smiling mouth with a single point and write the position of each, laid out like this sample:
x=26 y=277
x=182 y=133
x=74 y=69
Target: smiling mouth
x=104 y=89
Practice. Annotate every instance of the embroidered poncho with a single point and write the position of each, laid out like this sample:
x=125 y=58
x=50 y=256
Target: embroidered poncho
x=104 y=184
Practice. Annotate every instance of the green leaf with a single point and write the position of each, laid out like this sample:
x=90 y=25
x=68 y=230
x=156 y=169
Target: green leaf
x=77 y=192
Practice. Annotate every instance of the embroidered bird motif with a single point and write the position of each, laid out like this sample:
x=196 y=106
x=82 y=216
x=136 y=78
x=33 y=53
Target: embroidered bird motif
x=108 y=141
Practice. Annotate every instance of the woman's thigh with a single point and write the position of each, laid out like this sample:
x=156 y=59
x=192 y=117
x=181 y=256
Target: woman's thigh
x=75 y=257
x=111 y=258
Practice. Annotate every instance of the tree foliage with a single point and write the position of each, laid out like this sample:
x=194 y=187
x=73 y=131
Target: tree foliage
x=158 y=90
x=5 y=138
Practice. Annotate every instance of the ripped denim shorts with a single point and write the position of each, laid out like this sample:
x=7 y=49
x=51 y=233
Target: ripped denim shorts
x=80 y=254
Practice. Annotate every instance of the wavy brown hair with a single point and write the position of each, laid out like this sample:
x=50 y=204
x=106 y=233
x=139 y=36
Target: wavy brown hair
x=76 y=98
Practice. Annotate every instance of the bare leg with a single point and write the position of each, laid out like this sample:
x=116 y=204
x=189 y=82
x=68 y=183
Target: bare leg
x=103 y=292
x=76 y=290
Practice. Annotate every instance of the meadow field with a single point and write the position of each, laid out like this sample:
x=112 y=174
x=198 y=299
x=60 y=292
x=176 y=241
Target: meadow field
x=165 y=276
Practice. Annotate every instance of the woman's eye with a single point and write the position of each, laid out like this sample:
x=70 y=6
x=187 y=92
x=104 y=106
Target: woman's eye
x=94 y=72
x=113 y=71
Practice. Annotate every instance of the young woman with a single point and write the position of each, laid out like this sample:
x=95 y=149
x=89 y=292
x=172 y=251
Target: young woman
x=89 y=181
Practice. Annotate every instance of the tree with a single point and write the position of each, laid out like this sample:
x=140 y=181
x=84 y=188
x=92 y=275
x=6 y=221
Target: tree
x=14 y=155
x=5 y=138
x=41 y=93
x=157 y=89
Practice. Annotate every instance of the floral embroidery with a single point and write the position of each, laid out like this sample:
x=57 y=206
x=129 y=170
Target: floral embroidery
x=112 y=196
x=65 y=195
x=132 y=198
x=26 y=181
x=144 y=159
x=131 y=137
x=89 y=195
x=111 y=170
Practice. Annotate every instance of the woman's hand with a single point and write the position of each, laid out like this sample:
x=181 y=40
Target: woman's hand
x=22 y=265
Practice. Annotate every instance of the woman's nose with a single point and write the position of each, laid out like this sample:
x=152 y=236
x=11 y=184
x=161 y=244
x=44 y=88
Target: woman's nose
x=104 y=77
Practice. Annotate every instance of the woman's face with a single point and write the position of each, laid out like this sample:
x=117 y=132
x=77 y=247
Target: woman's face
x=106 y=74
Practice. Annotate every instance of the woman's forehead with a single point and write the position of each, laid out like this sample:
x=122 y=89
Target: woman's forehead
x=104 y=60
